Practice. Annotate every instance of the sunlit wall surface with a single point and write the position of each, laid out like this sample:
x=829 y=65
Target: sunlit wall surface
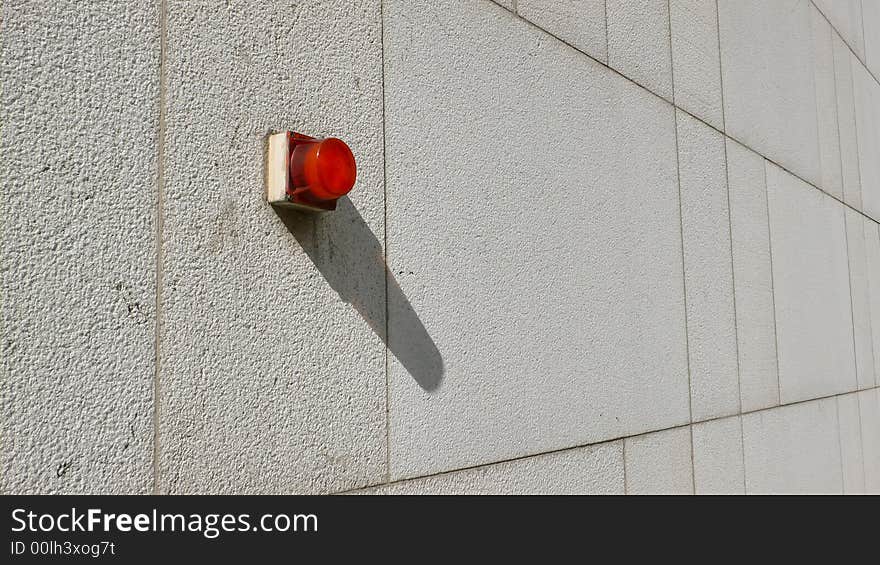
x=594 y=247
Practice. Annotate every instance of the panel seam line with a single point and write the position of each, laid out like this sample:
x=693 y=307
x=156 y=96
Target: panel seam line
x=385 y=252
x=681 y=234
x=720 y=72
x=735 y=312
x=160 y=224
x=772 y=283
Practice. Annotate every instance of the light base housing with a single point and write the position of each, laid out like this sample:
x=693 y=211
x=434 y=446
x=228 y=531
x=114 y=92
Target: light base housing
x=278 y=177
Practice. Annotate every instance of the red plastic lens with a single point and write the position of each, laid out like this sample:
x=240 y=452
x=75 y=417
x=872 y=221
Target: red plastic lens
x=323 y=169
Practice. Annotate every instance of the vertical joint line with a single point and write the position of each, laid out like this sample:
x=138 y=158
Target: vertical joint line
x=852 y=91
x=605 y=14
x=852 y=309
x=385 y=250
x=849 y=259
x=871 y=329
x=839 y=444
x=693 y=465
x=732 y=272
x=837 y=116
x=160 y=218
x=730 y=226
x=720 y=70
x=864 y=43
x=814 y=38
x=772 y=281
x=683 y=275
x=742 y=443
x=862 y=441
x=742 y=437
x=671 y=59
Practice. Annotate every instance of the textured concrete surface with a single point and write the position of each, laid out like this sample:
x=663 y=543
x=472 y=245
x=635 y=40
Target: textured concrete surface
x=850 y=432
x=538 y=282
x=814 y=328
x=596 y=469
x=543 y=212
x=718 y=457
x=272 y=355
x=846 y=123
x=869 y=411
x=846 y=17
x=638 y=42
x=824 y=79
x=793 y=449
x=696 y=61
x=871 y=27
x=581 y=23
x=80 y=107
x=659 y=463
x=872 y=251
x=753 y=278
x=866 y=94
x=860 y=296
x=708 y=270
x=769 y=89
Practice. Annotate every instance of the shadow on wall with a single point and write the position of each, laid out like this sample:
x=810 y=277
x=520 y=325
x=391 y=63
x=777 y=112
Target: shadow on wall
x=349 y=256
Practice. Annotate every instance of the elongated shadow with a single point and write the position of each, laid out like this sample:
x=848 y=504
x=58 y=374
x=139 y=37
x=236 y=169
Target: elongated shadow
x=350 y=258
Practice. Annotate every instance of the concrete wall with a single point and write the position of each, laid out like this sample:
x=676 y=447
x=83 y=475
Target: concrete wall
x=594 y=246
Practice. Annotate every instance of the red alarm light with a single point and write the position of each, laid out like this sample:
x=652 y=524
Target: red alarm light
x=324 y=168
x=308 y=172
